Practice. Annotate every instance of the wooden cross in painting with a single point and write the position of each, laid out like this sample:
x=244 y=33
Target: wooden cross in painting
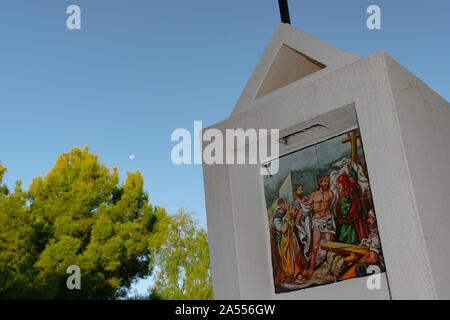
x=354 y=138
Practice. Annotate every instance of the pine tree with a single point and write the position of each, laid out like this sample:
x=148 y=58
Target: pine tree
x=78 y=214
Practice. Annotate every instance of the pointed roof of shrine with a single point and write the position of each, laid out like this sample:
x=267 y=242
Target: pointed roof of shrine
x=291 y=58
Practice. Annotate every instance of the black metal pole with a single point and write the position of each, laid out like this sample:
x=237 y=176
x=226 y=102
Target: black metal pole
x=284 y=11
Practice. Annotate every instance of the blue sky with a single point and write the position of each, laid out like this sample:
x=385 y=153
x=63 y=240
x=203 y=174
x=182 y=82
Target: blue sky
x=139 y=69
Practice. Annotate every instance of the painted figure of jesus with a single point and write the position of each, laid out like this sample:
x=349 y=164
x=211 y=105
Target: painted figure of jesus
x=323 y=220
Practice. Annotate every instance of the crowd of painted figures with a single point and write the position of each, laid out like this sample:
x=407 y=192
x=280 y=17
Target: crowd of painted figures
x=339 y=211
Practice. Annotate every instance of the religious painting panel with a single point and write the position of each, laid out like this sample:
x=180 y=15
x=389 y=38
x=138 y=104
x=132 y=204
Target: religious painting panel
x=322 y=223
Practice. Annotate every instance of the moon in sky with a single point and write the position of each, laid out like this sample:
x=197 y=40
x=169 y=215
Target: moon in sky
x=132 y=157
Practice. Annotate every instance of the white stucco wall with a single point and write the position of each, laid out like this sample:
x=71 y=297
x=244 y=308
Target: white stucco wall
x=424 y=123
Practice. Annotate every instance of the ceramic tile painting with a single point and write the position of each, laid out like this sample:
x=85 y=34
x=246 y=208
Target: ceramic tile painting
x=322 y=222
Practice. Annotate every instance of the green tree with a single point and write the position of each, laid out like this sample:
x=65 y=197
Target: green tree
x=78 y=214
x=3 y=189
x=16 y=250
x=181 y=259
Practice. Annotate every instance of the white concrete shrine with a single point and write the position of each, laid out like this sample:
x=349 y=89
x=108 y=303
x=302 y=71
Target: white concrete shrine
x=405 y=126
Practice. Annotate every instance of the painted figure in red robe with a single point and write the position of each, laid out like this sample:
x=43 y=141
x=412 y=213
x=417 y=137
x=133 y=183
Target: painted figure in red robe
x=350 y=211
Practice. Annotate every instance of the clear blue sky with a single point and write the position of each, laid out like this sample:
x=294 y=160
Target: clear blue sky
x=140 y=69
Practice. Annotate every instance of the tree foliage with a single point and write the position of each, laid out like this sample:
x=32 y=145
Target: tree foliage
x=181 y=259
x=78 y=214
x=3 y=189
